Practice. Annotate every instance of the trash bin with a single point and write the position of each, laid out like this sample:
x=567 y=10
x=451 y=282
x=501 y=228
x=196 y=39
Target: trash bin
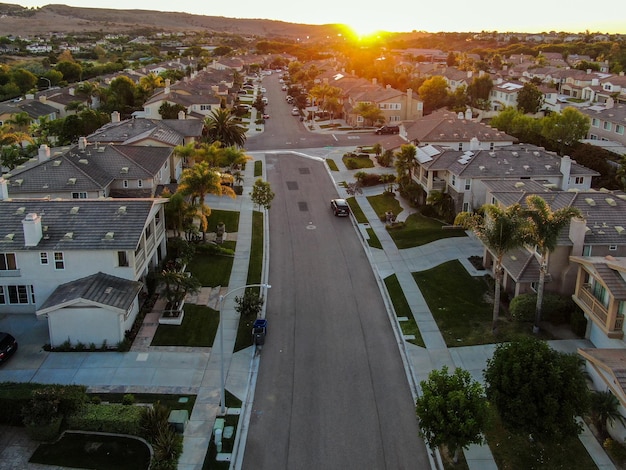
x=259 y=330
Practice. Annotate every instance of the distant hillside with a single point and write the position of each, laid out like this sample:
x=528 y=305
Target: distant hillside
x=17 y=20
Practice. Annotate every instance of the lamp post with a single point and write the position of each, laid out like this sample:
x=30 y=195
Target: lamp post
x=48 y=80
x=222 y=379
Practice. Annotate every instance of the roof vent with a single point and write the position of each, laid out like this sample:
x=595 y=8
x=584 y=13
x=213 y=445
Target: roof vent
x=109 y=235
x=121 y=210
x=20 y=210
x=590 y=201
x=515 y=154
x=56 y=163
x=101 y=149
x=619 y=229
x=84 y=161
x=519 y=184
x=71 y=181
x=74 y=210
x=548 y=167
x=124 y=170
x=18 y=182
x=611 y=202
x=9 y=237
x=68 y=236
x=526 y=167
x=536 y=154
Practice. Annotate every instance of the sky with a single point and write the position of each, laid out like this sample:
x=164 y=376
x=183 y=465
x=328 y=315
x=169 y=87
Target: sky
x=529 y=16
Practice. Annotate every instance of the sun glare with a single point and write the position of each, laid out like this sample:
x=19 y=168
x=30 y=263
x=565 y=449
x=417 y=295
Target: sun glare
x=364 y=31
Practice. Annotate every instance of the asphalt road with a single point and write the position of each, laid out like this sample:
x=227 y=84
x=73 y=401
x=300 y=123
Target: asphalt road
x=331 y=392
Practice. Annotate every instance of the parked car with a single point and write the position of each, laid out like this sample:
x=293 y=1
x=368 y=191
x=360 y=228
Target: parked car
x=340 y=207
x=295 y=112
x=8 y=346
x=266 y=116
x=388 y=130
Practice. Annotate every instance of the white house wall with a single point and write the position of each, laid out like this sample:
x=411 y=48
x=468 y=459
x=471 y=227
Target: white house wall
x=85 y=325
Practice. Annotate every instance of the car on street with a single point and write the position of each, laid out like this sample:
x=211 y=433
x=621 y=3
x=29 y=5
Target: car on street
x=388 y=130
x=295 y=112
x=266 y=116
x=340 y=207
x=8 y=346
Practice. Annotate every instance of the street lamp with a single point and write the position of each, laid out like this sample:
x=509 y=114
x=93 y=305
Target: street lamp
x=48 y=80
x=222 y=379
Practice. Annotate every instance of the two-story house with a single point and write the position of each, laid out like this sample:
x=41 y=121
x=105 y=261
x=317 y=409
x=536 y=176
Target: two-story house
x=43 y=248
x=504 y=94
x=462 y=173
x=607 y=122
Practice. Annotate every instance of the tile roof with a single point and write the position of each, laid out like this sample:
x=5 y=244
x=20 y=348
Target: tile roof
x=99 y=289
x=613 y=361
x=168 y=131
x=88 y=220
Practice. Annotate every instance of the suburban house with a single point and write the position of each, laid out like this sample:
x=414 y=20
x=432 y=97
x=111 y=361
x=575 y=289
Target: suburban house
x=95 y=171
x=462 y=174
x=36 y=111
x=44 y=245
x=60 y=98
x=607 y=122
x=504 y=94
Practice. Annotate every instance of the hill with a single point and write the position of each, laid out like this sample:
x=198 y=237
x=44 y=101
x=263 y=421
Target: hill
x=20 y=21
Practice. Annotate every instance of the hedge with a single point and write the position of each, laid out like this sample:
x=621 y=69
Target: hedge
x=111 y=417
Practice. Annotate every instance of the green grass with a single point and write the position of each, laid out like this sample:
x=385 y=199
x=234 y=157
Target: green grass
x=197 y=330
x=383 y=203
x=357 y=163
x=457 y=302
x=357 y=211
x=230 y=219
x=331 y=164
x=258 y=168
x=511 y=451
x=418 y=230
x=373 y=240
x=94 y=451
x=170 y=401
x=211 y=270
x=401 y=306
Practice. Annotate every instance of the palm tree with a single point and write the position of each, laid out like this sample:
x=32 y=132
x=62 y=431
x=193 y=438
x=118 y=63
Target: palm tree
x=187 y=152
x=197 y=182
x=221 y=126
x=500 y=230
x=543 y=231
x=405 y=163
x=604 y=410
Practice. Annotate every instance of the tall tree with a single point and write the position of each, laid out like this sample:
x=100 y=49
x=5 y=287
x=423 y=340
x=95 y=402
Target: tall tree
x=529 y=98
x=537 y=391
x=197 y=182
x=479 y=90
x=222 y=127
x=566 y=128
x=452 y=410
x=405 y=163
x=370 y=113
x=434 y=93
x=500 y=230
x=543 y=231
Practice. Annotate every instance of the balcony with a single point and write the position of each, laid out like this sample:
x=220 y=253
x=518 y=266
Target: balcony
x=598 y=312
x=10 y=273
x=437 y=184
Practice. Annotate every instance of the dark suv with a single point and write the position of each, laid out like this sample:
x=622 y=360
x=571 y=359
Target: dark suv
x=388 y=130
x=340 y=207
x=8 y=346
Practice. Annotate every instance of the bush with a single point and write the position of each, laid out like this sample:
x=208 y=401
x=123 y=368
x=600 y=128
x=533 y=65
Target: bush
x=578 y=322
x=556 y=309
x=128 y=399
x=112 y=417
x=371 y=179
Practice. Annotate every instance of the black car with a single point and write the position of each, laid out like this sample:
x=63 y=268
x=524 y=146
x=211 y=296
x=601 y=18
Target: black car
x=340 y=207
x=8 y=346
x=388 y=130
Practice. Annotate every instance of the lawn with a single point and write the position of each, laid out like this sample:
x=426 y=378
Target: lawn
x=332 y=165
x=210 y=269
x=418 y=230
x=401 y=306
x=229 y=218
x=383 y=203
x=373 y=240
x=357 y=211
x=357 y=163
x=458 y=304
x=198 y=329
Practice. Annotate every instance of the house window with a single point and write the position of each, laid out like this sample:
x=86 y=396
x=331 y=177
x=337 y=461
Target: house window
x=492 y=145
x=3 y=299
x=593 y=137
x=468 y=184
x=148 y=231
x=8 y=262
x=79 y=195
x=595 y=122
x=612 y=247
x=466 y=207
x=587 y=250
x=579 y=180
x=140 y=183
x=453 y=180
x=599 y=292
x=619 y=129
x=125 y=183
x=122 y=259
x=43 y=258
x=21 y=294
x=59 y=262
x=157 y=218
x=460 y=145
x=606 y=126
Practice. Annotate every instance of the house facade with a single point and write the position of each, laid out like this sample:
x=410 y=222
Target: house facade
x=44 y=245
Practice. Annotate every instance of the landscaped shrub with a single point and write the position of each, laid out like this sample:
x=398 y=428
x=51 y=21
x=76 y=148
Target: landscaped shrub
x=112 y=417
x=128 y=399
x=211 y=249
x=578 y=322
x=556 y=309
x=166 y=443
x=370 y=179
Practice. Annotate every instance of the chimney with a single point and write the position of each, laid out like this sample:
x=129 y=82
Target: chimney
x=474 y=144
x=181 y=115
x=115 y=116
x=43 y=153
x=468 y=114
x=43 y=98
x=610 y=103
x=32 y=229
x=469 y=74
x=566 y=168
x=4 y=189
x=577 y=232
x=82 y=143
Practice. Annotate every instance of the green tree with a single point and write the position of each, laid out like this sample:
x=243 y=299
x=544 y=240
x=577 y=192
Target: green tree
x=452 y=410
x=503 y=121
x=405 y=163
x=605 y=410
x=24 y=79
x=434 y=93
x=262 y=194
x=178 y=213
x=221 y=126
x=543 y=228
x=479 y=90
x=197 y=182
x=537 y=391
x=72 y=71
x=565 y=129
x=529 y=98
x=170 y=111
x=500 y=230
x=120 y=95
x=249 y=305
x=370 y=113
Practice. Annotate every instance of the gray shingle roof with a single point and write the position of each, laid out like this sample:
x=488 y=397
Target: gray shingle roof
x=100 y=289
x=88 y=220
